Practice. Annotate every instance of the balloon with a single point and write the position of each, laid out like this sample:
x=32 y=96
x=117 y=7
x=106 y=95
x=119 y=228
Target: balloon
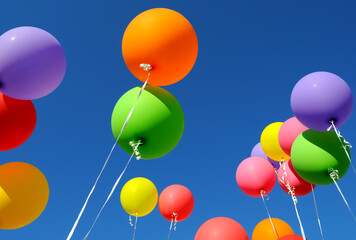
x=270 y=143
x=32 y=63
x=221 y=228
x=24 y=194
x=258 y=152
x=291 y=237
x=287 y=175
x=139 y=197
x=157 y=121
x=255 y=174
x=320 y=97
x=264 y=229
x=17 y=122
x=176 y=203
x=164 y=39
x=315 y=154
x=288 y=132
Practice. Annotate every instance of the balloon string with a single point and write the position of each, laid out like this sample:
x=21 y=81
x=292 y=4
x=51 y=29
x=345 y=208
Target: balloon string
x=109 y=196
x=269 y=216
x=334 y=176
x=134 y=233
x=173 y=220
x=295 y=201
x=345 y=144
x=106 y=161
x=317 y=213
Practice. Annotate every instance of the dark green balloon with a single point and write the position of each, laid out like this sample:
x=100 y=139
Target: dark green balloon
x=157 y=121
x=315 y=153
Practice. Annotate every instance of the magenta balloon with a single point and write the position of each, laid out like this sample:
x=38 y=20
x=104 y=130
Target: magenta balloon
x=255 y=174
x=287 y=175
x=32 y=63
x=288 y=132
x=257 y=151
x=320 y=97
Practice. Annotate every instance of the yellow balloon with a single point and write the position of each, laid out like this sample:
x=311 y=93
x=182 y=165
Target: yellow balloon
x=270 y=144
x=139 y=197
x=24 y=194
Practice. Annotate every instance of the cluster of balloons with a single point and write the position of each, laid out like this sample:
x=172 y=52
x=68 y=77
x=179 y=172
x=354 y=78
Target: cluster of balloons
x=32 y=65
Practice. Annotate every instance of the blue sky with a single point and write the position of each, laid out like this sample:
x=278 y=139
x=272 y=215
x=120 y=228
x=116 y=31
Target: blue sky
x=251 y=54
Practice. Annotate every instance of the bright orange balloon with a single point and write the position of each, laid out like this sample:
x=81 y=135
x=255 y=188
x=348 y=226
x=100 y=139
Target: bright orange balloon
x=164 y=39
x=264 y=230
x=24 y=194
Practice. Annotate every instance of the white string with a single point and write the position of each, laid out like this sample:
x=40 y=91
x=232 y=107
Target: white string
x=134 y=233
x=269 y=216
x=106 y=161
x=109 y=196
x=317 y=213
x=295 y=201
x=173 y=219
x=334 y=176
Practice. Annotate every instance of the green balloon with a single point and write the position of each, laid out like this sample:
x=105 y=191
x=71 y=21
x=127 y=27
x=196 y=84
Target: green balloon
x=314 y=154
x=157 y=121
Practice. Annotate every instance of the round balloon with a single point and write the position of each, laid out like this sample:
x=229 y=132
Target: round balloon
x=32 y=63
x=24 y=194
x=270 y=143
x=315 y=154
x=139 y=197
x=255 y=175
x=291 y=237
x=17 y=121
x=176 y=203
x=221 y=228
x=264 y=229
x=164 y=39
x=288 y=132
x=257 y=151
x=287 y=176
x=319 y=98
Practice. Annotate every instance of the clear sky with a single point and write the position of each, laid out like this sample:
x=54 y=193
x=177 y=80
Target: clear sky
x=251 y=54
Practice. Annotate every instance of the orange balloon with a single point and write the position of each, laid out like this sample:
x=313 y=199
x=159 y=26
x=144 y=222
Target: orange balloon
x=164 y=39
x=24 y=194
x=264 y=230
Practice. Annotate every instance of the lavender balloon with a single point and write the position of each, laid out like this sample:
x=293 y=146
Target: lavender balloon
x=258 y=152
x=32 y=63
x=319 y=98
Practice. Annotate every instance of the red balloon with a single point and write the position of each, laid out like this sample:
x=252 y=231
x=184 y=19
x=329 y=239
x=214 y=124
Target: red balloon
x=221 y=228
x=291 y=237
x=17 y=121
x=176 y=203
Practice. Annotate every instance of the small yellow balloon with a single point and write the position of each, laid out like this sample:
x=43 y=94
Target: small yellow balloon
x=139 y=197
x=270 y=144
x=24 y=194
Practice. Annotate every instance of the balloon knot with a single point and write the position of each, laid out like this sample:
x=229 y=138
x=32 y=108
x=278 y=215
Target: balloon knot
x=334 y=174
x=135 y=146
x=146 y=67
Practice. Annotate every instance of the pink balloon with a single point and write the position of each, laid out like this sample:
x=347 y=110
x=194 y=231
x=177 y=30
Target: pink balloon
x=221 y=228
x=255 y=174
x=288 y=132
x=176 y=202
x=287 y=175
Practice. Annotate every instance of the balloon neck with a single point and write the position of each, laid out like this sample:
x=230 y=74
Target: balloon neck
x=135 y=145
x=146 y=67
x=334 y=174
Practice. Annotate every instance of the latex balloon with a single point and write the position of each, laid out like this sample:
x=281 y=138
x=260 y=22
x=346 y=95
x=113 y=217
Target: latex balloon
x=320 y=97
x=24 y=194
x=221 y=228
x=157 y=121
x=257 y=151
x=255 y=174
x=32 y=63
x=139 y=197
x=291 y=237
x=176 y=203
x=264 y=229
x=315 y=154
x=287 y=176
x=17 y=122
x=288 y=132
x=164 y=39
x=270 y=143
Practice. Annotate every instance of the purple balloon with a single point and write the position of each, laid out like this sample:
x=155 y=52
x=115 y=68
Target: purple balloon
x=258 y=152
x=32 y=63
x=319 y=98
